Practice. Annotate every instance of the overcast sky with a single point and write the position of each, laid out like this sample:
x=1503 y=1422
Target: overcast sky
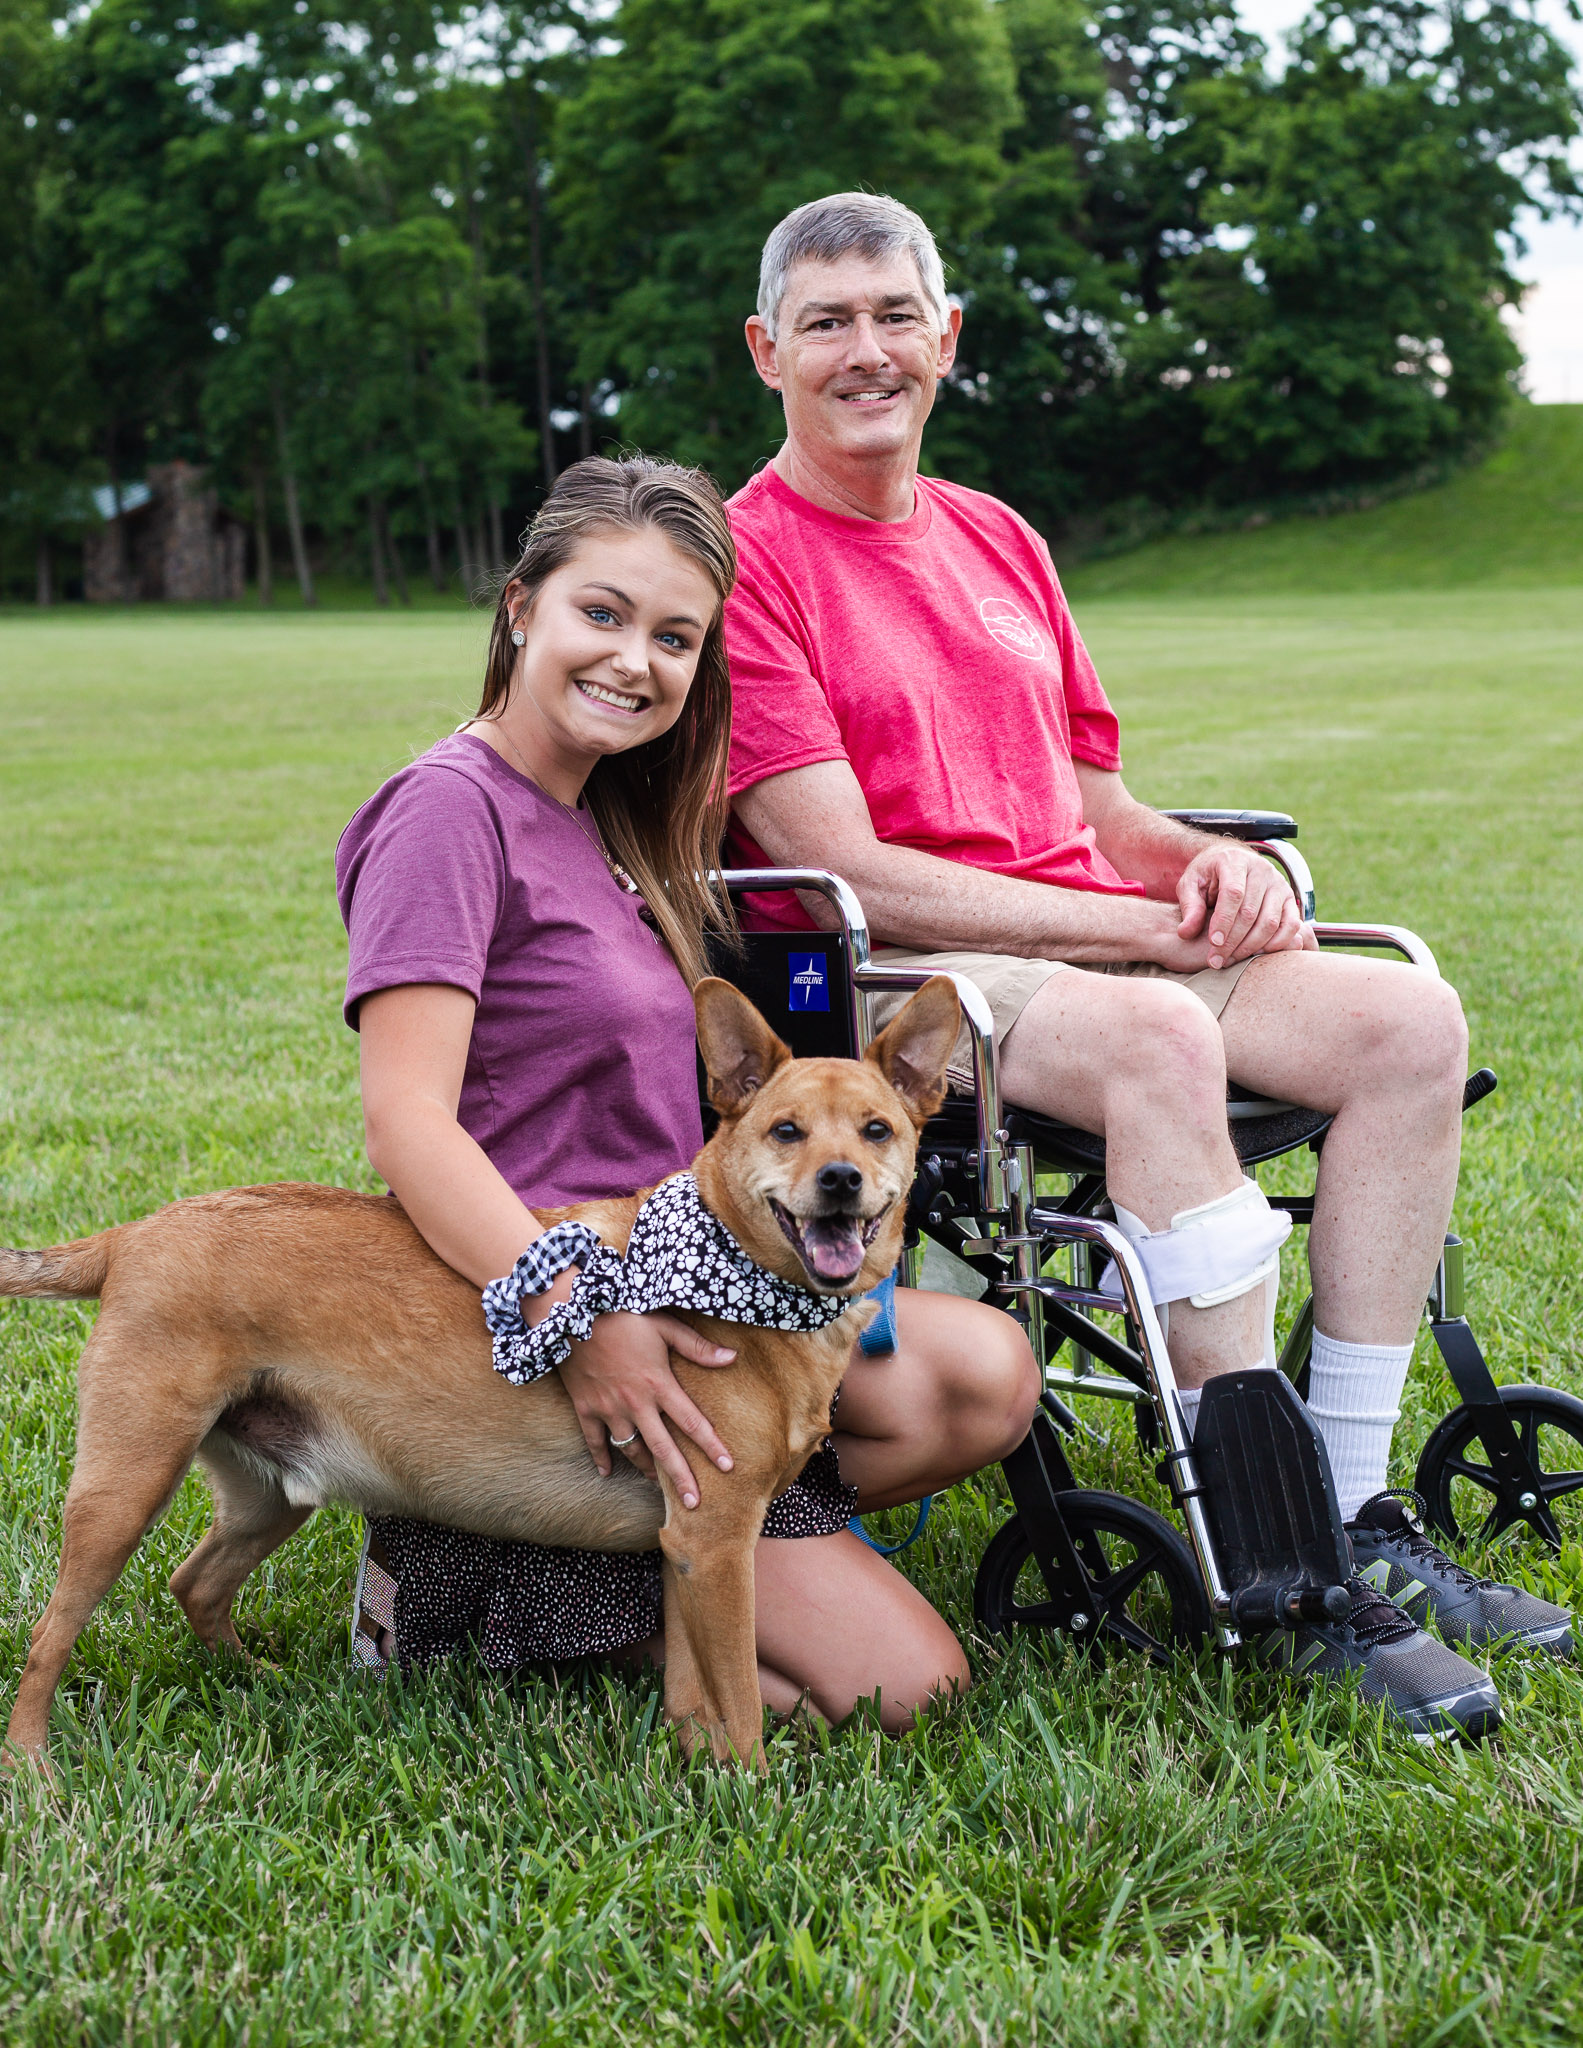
x=1550 y=327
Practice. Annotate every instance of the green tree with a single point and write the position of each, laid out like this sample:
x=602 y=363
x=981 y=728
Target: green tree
x=710 y=121
x=266 y=236
x=535 y=55
x=46 y=400
x=1378 y=185
x=1201 y=281
x=1043 y=285
x=154 y=174
x=345 y=252
x=1106 y=188
x=355 y=356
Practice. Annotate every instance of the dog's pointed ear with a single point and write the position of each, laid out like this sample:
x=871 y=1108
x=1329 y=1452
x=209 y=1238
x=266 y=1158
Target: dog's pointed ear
x=740 y=1051
x=912 y=1051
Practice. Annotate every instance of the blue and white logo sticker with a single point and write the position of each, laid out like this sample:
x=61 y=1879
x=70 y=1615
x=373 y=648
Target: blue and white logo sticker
x=810 y=984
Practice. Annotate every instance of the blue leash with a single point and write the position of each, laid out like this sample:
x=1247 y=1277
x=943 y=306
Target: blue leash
x=892 y=1549
x=879 y=1341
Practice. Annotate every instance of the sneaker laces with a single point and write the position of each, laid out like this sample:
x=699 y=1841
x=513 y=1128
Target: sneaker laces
x=1417 y=1544
x=1373 y=1619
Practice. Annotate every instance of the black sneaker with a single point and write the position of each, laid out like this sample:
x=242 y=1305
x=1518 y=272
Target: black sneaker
x=1429 y=1688
x=1396 y=1558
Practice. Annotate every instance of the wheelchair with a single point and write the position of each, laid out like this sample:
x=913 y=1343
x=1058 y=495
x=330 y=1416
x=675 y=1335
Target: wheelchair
x=1252 y=1551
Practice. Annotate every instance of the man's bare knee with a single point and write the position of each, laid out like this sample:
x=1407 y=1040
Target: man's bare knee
x=1090 y=1047
x=1420 y=1040
x=1171 y=1050
x=1443 y=1029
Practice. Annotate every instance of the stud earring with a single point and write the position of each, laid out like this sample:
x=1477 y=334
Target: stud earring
x=518 y=637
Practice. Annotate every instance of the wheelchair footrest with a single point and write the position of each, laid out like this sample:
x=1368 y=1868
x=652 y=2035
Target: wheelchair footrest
x=1283 y=1603
x=1271 y=1502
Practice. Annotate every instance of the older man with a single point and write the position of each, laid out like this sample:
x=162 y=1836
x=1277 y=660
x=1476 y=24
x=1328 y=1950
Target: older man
x=915 y=709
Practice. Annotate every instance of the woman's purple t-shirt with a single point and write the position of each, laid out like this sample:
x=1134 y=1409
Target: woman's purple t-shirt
x=580 y=1078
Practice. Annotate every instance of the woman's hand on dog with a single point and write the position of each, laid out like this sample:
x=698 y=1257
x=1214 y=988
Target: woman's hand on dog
x=621 y=1381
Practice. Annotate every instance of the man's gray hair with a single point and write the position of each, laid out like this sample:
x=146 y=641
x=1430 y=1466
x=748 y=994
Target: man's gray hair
x=848 y=224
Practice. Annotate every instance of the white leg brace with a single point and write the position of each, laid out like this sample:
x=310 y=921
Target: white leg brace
x=1214 y=1253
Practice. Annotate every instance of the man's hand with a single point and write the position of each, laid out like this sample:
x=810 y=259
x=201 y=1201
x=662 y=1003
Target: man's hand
x=1236 y=903
x=621 y=1382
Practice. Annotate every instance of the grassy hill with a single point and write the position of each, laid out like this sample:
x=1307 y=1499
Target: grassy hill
x=1515 y=520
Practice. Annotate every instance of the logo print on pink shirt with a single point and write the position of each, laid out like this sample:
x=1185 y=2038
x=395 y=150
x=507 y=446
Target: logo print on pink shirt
x=1012 y=627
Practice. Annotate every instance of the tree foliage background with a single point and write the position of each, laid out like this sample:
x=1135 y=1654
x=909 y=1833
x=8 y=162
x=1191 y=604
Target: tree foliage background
x=385 y=266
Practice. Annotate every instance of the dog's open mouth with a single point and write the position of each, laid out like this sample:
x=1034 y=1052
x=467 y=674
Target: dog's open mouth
x=832 y=1248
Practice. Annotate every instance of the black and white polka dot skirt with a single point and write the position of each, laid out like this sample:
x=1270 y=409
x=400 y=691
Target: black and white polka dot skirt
x=425 y=1592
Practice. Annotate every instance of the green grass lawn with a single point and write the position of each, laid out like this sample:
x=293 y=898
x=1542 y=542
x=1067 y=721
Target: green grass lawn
x=1075 y=1856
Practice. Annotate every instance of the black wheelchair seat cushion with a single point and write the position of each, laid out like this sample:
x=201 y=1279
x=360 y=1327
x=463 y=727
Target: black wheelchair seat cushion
x=1062 y=1148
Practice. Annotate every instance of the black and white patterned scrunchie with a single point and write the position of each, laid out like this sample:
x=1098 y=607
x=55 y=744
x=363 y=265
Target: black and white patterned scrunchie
x=678 y=1256
x=522 y=1352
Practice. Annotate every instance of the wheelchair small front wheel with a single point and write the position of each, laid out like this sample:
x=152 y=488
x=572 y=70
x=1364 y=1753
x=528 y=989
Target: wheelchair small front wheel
x=1459 y=1488
x=1141 y=1589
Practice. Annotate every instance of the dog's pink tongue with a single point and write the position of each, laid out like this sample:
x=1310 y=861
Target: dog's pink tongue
x=835 y=1246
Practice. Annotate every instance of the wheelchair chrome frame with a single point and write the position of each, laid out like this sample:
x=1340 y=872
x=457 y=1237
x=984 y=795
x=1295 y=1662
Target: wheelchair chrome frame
x=1019 y=1226
x=1005 y=1175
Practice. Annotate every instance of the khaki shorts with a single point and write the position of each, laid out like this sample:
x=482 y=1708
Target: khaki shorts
x=1009 y=983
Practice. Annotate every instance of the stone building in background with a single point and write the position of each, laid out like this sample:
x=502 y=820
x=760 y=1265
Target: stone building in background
x=171 y=539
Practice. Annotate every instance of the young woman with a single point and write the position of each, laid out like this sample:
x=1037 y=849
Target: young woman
x=526 y=917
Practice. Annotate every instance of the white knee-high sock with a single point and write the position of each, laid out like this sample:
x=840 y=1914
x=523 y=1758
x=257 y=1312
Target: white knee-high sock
x=1355 y=1394
x=1189 y=1397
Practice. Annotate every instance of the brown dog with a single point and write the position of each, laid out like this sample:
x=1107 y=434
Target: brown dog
x=306 y=1347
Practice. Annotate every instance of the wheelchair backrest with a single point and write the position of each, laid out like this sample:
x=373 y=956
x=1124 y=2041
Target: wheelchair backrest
x=801 y=985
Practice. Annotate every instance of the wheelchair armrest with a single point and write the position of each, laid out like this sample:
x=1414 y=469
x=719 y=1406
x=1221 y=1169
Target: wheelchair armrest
x=838 y=894
x=1264 y=830
x=868 y=979
x=1383 y=938
x=995 y=1166
x=1238 y=824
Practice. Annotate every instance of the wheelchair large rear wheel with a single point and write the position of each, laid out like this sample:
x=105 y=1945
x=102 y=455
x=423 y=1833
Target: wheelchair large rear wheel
x=1142 y=1591
x=1461 y=1497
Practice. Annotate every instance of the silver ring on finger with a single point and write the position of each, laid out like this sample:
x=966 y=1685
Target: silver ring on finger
x=619 y=1443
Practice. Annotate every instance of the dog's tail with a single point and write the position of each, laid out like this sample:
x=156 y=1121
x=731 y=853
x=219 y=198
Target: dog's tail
x=66 y=1272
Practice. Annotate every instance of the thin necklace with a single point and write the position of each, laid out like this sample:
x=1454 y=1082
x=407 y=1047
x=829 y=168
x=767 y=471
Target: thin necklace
x=577 y=812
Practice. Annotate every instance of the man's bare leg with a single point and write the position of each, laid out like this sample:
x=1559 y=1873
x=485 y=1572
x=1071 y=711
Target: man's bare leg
x=1381 y=1048
x=1142 y=1062
x=1385 y=1049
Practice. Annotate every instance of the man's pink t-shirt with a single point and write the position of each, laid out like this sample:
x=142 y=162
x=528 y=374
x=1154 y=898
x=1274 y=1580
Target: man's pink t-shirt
x=936 y=655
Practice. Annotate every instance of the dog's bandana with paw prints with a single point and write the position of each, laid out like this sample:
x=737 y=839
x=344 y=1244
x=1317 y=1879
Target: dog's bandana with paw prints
x=678 y=1256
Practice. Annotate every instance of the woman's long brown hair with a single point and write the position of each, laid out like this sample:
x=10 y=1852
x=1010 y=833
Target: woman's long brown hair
x=661 y=807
